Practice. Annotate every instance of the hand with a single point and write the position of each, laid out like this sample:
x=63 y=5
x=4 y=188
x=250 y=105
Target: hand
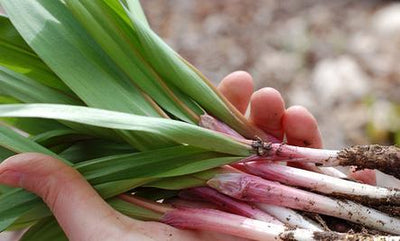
x=268 y=111
x=84 y=215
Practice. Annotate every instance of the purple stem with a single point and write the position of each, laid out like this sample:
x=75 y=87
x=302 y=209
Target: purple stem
x=324 y=184
x=211 y=123
x=227 y=203
x=226 y=223
x=255 y=189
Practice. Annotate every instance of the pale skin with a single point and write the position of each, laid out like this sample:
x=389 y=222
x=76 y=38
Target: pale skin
x=83 y=215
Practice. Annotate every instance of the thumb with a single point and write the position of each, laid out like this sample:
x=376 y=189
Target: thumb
x=75 y=204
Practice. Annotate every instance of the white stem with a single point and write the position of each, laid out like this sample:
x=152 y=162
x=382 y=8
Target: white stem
x=255 y=189
x=289 y=217
x=322 y=183
x=217 y=221
x=333 y=172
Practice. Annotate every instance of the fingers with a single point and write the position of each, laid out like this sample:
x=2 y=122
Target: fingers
x=73 y=201
x=267 y=109
x=237 y=88
x=301 y=128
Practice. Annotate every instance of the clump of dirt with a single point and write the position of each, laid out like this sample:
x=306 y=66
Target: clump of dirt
x=391 y=210
x=331 y=236
x=383 y=158
x=388 y=201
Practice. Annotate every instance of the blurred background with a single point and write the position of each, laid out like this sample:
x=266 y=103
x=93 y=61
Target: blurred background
x=340 y=59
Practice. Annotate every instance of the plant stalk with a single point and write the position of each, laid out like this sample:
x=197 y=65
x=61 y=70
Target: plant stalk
x=364 y=193
x=227 y=204
x=255 y=189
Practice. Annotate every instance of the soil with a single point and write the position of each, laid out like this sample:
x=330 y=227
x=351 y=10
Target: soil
x=383 y=158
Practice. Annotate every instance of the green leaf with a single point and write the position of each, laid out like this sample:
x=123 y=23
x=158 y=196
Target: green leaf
x=111 y=189
x=13 y=141
x=134 y=211
x=4 y=189
x=19 y=57
x=15 y=203
x=8 y=100
x=27 y=90
x=33 y=126
x=115 y=36
x=45 y=230
x=95 y=148
x=60 y=41
x=179 y=73
x=5 y=153
x=59 y=136
x=179 y=132
x=134 y=7
x=158 y=163
x=186 y=181
x=30 y=217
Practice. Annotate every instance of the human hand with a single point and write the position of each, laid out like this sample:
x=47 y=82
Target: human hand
x=84 y=215
x=268 y=111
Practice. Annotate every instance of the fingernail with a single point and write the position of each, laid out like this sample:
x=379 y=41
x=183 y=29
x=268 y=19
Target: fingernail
x=10 y=177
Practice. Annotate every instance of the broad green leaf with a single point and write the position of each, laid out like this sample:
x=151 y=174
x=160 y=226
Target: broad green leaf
x=134 y=7
x=18 y=56
x=158 y=163
x=200 y=165
x=176 y=71
x=111 y=189
x=60 y=41
x=95 y=148
x=179 y=132
x=121 y=9
x=8 y=99
x=5 y=153
x=33 y=126
x=27 y=90
x=45 y=230
x=186 y=181
x=15 y=203
x=134 y=211
x=13 y=141
x=30 y=217
x=111 y=175
x=116 y=39
x=4 y=189
x=59 y=136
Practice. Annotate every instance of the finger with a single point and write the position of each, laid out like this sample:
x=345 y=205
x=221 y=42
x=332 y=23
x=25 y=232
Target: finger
x=237 y=88
x=266 y=111
x=301 y=128
x=75 y=204
x=366 y=176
